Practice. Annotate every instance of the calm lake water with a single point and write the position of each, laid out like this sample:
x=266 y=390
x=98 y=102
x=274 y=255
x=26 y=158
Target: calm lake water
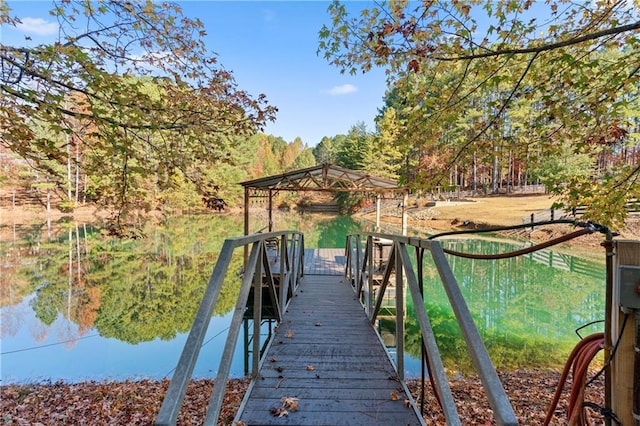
x=79 y=305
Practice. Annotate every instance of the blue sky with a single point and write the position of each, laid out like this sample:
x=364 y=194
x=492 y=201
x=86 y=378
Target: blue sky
x=271 y=48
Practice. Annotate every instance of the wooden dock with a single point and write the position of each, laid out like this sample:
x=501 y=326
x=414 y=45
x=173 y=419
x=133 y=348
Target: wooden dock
x=326 y=364
x=324 y=261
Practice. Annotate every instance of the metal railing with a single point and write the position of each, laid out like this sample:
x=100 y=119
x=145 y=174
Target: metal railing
x=258 y=272
x=360 y=268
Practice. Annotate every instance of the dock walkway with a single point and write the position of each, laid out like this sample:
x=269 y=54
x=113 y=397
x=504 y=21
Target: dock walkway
x=327 y=356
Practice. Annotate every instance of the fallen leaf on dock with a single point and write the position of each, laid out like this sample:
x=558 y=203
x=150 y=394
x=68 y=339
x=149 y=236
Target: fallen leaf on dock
x=310 y=367
x=395 y=396
x=289 y=334
x=279 y=412
x=290 y=403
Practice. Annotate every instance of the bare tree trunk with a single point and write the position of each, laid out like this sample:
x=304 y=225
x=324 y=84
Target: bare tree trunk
x=77 y=179
x=495 y=176
x=69 y=171
x=475 y=173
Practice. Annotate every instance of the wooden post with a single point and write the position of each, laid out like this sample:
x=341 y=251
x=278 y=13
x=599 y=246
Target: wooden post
x=622 y=365
x=246 y=211
x=377 y=212
x=246 y=225
x=270 y=210
x=399 y=312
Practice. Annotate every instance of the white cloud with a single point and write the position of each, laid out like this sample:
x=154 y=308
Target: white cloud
x=37 y=26
x=345 y=89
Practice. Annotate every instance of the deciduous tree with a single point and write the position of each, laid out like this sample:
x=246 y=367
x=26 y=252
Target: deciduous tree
x=186 y=107
x=575 y=64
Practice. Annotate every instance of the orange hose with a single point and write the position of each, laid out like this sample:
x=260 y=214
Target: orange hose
x=596 y=337
x=575 y=411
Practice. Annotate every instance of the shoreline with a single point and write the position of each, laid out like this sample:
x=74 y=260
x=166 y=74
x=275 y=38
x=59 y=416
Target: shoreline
x=483 y=213
x=138 y=402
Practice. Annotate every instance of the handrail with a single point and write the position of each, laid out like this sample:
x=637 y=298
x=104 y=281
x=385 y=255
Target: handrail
x=359 y=268
x=257 y=271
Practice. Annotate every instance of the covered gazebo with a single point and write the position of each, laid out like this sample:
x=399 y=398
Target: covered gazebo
x=326 y=178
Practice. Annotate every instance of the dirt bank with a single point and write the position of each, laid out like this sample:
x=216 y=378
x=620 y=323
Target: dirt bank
x=495 y=211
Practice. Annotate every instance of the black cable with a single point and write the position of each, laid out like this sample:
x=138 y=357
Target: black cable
x=50 y=344
x=612 y=354
x=606 y=412
x=201 y=346
x=595 y=226
x=505 y=228
x=577 y=330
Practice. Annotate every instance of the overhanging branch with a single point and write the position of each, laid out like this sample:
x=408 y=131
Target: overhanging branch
x=545 y=47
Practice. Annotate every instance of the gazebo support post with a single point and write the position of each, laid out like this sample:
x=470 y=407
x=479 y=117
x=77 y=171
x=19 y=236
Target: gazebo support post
x=270 y=210
x=378 y=212
x=246 y=224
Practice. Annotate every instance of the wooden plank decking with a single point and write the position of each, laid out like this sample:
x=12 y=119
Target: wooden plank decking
x=325 y=261
x=326 y=354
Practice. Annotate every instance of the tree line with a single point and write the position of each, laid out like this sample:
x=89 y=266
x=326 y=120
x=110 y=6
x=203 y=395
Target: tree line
x=482 y=95
x=498 y=93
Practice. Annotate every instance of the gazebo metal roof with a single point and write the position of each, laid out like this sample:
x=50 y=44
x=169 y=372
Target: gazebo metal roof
x=325 y=177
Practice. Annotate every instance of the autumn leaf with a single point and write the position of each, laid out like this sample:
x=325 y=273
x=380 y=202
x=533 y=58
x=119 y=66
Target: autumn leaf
x=289 y=334
x=290 y=403
x=310 y=367
x=278 y=412
x=395 y=396
x=529 y=391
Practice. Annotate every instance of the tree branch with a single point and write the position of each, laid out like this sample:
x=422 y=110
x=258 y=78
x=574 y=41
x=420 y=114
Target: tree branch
x=495 y=117
x=545 y=47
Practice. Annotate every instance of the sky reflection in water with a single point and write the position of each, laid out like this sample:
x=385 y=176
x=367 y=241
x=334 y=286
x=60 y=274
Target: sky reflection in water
x=124 y=309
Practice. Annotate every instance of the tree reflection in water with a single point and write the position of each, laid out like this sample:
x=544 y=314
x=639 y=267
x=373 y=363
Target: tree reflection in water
x=78 y=286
